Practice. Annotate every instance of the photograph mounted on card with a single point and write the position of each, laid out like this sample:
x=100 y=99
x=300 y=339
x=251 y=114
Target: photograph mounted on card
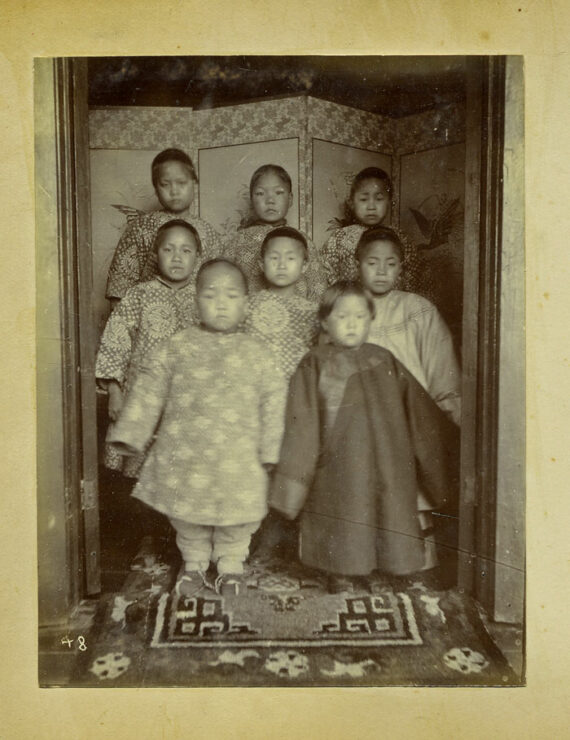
x=135 y=590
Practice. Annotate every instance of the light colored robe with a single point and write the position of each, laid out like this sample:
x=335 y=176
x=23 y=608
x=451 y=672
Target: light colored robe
x=216 y=403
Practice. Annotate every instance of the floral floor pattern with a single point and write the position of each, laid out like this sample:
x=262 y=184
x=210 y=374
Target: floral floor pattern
x=286 y=630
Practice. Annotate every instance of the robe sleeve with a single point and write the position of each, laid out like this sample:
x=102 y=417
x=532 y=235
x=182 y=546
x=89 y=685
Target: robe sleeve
x=435 y=441
x=115 y=349
x=301 y=442
x=437 y=356
x=212 y=244
x=272 y=410
x=315 y=274
x=231 y=247
x=144 y=404
x=330 y=257
x=126 y=267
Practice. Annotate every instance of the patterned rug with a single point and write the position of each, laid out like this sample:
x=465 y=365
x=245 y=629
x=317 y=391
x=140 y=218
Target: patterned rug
x=286 y=630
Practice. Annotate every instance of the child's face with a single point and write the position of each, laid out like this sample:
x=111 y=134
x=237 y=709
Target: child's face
x=284 y=261
x=176 y=255
x=174 y=187
x=221 y=298
x=271 y=198
x=370 y=202
x=349 y=321
x=380 y=267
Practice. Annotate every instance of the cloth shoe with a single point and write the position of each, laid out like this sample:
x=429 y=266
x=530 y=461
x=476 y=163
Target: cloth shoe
x=229 y=584
x=190 y=582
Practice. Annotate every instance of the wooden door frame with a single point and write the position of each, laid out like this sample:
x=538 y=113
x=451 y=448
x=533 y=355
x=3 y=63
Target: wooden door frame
x=68 y=215
x=481 y=326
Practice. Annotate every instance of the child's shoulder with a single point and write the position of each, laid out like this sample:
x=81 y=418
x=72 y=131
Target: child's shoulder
x=253 y=230
x=412 y=302
x=145 y=220
x=350 y=230
x=139 y=292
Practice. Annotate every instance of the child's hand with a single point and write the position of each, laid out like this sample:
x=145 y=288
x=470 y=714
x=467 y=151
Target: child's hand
x=115 y=400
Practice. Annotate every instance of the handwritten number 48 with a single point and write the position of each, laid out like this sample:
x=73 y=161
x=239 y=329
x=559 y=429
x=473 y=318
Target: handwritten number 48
x=80 y=642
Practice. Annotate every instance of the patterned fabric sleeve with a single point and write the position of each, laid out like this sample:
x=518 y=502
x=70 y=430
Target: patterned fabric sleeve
x=144 y=403
x=273 y=391
x=212 y=243
x=115 y=350
x=331 y=258
x=315 y=276
x=437 y=356
x=126 y=266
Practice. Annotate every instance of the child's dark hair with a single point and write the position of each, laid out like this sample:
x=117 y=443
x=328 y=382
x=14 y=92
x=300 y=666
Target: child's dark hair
x=286 y=231
x=368 y=173
x=171 y=155
x=221 y=261
x=273 y=169
x=378 y=234
x=179 y=222
x=339 y=290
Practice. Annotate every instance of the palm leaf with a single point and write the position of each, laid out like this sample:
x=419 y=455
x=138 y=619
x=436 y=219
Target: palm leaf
x=128 y=211
x=423 y=224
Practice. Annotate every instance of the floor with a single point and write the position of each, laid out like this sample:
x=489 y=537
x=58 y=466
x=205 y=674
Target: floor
x=125 y=523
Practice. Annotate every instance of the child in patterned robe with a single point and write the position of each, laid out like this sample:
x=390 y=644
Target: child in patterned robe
x=149 y=313
x=134 y=261
x=360 y=434
x=216 y=402
x=367 y=207
x=288 y=325
x=281 y=318
x=271 y=197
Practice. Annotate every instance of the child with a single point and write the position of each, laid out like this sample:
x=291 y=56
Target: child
x=288 y=325
x=408 y=324
x=174 y=179
x=366 y=207
x=218 y=402
x=271 y=197
x=149 y=313
x=360 y=433
x=285 y=321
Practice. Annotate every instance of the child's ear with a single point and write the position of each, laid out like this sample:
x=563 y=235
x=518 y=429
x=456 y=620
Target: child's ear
x=290 y=199
x=260 y=265
x=305 y=265
x=324 y=325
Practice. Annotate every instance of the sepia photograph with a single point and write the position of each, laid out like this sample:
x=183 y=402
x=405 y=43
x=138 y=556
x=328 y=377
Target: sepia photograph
x=280 y=336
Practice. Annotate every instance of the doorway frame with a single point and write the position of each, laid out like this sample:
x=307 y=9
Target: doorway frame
x=484 y=227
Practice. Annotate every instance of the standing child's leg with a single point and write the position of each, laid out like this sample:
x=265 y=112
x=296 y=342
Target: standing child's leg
x=195 y=544
x=231 y=547
x=426 y=524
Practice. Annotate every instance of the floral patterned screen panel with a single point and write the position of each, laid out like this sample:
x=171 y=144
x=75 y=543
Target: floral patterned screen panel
x=120 y=187
x=334 y=167
x=432 y=203
x=225 y=173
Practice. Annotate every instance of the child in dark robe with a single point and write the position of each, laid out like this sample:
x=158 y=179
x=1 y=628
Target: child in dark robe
x=361 y=437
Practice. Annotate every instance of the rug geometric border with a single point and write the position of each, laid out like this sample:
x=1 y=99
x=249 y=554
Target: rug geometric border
x=196 y=623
